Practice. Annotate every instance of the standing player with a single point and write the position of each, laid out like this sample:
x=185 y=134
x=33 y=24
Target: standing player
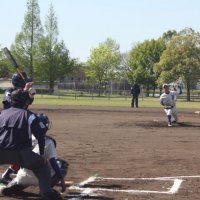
x=168 y=100
x=135 y=91
x=18 y=83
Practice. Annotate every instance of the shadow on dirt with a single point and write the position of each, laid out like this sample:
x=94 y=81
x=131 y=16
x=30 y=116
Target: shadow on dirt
x=184 y=124
x=25 y=196
x=77 y=196
x=154 y=124
x=113 y=186
x=70 y=196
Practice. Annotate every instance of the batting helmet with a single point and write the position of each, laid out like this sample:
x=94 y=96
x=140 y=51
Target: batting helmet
x=18 y=81
x=20 y=98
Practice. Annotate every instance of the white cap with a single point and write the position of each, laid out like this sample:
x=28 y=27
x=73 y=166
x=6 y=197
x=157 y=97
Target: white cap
x=165 y=85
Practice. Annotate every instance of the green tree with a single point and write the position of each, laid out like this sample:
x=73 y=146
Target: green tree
x=120 y=75
x=168 y=36
x=181 y=60
x=4 y=65
x=26 y=42
x=141 y=61
x=102 y=63
x=53 y=61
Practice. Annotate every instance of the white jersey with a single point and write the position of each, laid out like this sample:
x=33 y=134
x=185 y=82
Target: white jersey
x=169 y=99
x=26 y=176
x=49 y=151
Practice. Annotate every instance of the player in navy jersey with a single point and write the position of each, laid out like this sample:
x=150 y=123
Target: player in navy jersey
x=18 y=83
x=17 y=124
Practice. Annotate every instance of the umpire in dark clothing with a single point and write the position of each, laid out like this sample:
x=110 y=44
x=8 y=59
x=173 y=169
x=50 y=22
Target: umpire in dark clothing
x=135 y=91
x=17 y=125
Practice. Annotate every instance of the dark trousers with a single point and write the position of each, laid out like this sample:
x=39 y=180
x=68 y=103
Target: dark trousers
x=63 y=165
x=28 y=159
x=134 y=101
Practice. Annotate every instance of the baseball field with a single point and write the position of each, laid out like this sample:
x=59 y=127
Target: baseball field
x=116 y=152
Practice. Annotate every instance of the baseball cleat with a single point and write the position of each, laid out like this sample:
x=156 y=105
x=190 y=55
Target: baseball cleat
x=169 y=124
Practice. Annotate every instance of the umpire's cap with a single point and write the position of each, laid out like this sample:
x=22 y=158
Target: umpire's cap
x=18 y=81
x=20 y=98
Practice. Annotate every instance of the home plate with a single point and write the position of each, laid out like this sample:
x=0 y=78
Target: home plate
x=197 y=112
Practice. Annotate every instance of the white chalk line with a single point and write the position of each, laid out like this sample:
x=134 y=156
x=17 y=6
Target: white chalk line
x=177 y=184
x=177 y=181
x=89 y=180
x=156 y=178
x=174 y=189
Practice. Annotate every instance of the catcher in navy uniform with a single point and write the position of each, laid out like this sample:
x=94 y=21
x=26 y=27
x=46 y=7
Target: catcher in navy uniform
x=17 y=124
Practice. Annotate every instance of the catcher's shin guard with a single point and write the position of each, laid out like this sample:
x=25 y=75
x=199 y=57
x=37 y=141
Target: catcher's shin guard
x=63 y=168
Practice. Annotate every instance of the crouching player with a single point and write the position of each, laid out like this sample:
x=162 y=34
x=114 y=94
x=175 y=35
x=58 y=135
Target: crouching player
x=58 y=167
x=168 y=100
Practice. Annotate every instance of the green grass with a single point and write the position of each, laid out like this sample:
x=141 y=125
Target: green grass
x=147 y=102
x=81 y=101
x=126 y=102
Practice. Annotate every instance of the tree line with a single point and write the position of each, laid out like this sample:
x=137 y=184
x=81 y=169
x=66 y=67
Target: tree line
x=172 y=57
x=38 y=49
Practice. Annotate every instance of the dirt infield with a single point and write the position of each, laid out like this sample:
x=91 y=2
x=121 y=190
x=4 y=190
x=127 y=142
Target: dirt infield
x=119 y=142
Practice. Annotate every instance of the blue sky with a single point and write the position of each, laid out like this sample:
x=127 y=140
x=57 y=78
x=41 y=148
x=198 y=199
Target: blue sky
x=83 y=24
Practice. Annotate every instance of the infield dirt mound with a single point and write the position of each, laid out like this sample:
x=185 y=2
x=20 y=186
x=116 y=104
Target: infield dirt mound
x=127 y=143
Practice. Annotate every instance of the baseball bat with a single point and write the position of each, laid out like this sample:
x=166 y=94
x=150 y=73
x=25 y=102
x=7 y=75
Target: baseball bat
x=13 y=61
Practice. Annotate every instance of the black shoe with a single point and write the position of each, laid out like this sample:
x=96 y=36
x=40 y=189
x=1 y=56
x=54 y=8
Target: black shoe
x=12 y=188
x=54 y=195
x=5 y=180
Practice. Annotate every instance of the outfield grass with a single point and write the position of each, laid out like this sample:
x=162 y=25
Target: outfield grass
x=84 y=101
x=146 y=102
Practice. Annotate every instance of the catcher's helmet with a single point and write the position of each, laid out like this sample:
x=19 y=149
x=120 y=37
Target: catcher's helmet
x=44 y=119
x=18 y=81
x=20 y=98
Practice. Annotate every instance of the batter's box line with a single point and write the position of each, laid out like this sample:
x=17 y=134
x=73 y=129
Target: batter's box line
x=177 y=181
x=174 y=189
